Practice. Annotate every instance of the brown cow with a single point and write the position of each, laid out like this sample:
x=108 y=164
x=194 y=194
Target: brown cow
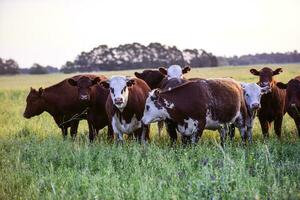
x=272 y=103
x=292 y=99
x=61 y=102
x=95 y=97
x=125 y=106
x=197 y=105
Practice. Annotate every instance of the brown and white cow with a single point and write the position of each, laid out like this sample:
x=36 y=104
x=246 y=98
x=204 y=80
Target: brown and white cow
x=95 y=97
x=125 y=106
x=252 y=95
x=197 y=105
x=292 y=100
x=165 y=79
x=60 y=101
x=272 y=103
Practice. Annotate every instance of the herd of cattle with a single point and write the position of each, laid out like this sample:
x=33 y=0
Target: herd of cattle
x=127 y=105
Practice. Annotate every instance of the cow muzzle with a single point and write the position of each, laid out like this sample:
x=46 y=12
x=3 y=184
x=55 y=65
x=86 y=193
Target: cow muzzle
x=119 y=101
x=84 y=97
x=255 y=106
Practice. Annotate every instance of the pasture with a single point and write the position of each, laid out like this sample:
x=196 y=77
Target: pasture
x=36 y=163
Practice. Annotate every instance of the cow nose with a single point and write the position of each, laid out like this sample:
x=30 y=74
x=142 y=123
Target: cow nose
x=255 y=106
x=84 y=97
x=293 y=105
x=119 y=101
x=264 y=84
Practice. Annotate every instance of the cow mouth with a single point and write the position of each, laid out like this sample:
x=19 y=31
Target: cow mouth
x=26 y=116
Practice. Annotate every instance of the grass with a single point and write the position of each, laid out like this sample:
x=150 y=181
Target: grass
x=35 y=163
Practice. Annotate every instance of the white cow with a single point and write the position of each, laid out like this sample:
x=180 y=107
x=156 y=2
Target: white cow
x=252 y=96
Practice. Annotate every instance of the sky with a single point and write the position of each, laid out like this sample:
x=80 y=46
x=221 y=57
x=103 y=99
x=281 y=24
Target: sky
x=51 y=32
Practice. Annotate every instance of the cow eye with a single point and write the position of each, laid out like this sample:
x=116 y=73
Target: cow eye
x=247 y=95
x=147 y=107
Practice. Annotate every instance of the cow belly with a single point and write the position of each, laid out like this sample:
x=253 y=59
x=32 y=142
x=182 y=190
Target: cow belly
x=212 y=124
x=120 y=126
x=189 y=127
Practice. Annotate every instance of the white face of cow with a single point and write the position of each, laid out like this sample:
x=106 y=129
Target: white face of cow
x=154 y=111
x=118 y=86
x=253 y=93
x=175 y=71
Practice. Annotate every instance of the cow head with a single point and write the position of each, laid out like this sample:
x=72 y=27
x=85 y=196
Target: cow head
x=154 y=108
x=34 y=103
x=292 y=92
x=253 y=93
x=266 y=75
x=152 y=77
x=174 y=71
x=119 y=92
x=84 y=84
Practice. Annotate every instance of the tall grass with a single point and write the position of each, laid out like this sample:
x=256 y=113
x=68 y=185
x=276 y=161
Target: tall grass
x=36 y=163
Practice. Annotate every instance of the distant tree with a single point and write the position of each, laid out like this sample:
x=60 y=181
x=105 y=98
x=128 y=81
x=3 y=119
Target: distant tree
x=38 y=69
x=9 y=66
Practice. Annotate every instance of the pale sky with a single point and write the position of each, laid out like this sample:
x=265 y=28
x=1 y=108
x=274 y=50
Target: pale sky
x=50 y=32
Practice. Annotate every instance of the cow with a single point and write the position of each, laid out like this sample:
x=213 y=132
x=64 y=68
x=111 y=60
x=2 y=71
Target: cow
x=95 y=97
x=252 y=96
x=197 y=105
x=125 y=106
x=61 y=102
x=165 y=79
x=272 y=103
x=292 y=99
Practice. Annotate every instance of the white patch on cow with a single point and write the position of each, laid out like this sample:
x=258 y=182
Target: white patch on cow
x=189 y=127
x=168 y=104
x=210 y=123
x=174 y=71
x=120 y=90
x=120 y=126
x=153 y=113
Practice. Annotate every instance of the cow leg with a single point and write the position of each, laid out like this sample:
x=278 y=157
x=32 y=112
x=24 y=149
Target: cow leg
x=223 y=132
x=277 y=126
x=74 y=128
x=231 y=131
x=110 y=133
x=64 y=131
x=91 y=131
x=297 y=122
x=119 y=138
x=265 y=125
x=160 y=126
x=171 y=129
x=145 y=133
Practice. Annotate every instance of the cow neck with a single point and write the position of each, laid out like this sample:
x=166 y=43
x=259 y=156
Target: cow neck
x=128 y=112
x=48 y=101
x=173 y=113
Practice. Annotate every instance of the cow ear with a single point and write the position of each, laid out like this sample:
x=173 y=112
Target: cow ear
x=281 y=85
x=254 y=72
x=41 y=90
x=104 y=84
x=277 y=71
x=243 y=85
x=186 y=70
x=138 y=75
x=72 y=82
x=130 y=82
x=163 y=70
x=156 y=92
x=96 y=80
x=31 y=89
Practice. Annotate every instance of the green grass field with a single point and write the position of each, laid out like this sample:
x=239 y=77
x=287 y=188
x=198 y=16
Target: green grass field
x=36 y=163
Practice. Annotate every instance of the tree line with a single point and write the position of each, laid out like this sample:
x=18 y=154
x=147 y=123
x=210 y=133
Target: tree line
x=136 y=56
